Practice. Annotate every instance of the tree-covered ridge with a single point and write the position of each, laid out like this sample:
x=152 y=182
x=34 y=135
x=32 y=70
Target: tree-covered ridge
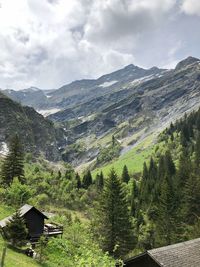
x=168 y=199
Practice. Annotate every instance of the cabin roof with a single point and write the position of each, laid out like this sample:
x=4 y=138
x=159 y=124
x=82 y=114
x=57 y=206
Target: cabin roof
x=180 y=255
x=23 y=210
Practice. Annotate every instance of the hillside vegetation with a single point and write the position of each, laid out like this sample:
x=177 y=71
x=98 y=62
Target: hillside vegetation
x=155 y=189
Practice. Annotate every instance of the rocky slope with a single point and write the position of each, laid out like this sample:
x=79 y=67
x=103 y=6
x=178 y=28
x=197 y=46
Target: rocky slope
x=38 y=135
x=134 y=111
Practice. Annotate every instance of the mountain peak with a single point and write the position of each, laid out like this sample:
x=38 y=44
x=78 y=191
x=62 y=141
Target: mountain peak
x=188 y=61
x=131 y=66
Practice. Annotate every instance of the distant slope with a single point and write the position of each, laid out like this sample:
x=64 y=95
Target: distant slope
x=149 y=107
x=32 y=97
x=79 y=92
x=37 y=134
x=82 y=91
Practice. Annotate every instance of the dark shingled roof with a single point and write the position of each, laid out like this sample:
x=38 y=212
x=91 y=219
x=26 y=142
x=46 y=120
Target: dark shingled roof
x=185 y=254
x=23 y=210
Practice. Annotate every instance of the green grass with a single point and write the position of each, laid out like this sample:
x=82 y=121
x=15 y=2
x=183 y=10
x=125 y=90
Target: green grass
x=133 y=159
x=16 y=259
x=5 y=211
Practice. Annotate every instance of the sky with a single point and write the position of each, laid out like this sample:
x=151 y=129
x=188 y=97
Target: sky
x=49 y=43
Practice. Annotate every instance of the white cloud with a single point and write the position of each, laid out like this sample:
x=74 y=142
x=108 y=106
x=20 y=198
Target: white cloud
x=47 y=43
x=191 y=7
x=111 y=19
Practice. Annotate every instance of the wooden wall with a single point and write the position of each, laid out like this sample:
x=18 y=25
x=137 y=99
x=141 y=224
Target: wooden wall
x=34 y=222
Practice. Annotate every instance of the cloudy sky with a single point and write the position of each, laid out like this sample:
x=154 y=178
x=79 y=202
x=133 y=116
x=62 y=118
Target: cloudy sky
x=48 y=43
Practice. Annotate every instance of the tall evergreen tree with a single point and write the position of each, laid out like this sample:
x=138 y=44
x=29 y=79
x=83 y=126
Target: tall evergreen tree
x=170 y=168
x=59 y=174
x=13 y=164
x=168 y=221
x=143 y=196
x=99 y=181
x=134 y=196
x=197 y=153
x=192 y=198
x=113 y=221
x=125 y=175
x=78 y=181
x=184 y=168
x=87 y=179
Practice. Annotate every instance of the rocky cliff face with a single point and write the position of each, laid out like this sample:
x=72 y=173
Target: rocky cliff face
x=38 y=135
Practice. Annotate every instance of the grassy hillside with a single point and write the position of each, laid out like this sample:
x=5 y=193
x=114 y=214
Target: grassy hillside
x=14 y=258
x=133 y=159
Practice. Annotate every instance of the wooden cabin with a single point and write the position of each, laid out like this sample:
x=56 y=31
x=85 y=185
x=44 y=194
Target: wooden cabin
x=35 y=223
x=185 y=254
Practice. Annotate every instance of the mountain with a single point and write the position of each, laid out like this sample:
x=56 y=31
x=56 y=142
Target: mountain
x=131 y=112
x=32 y=97
x=82 y=91
x=79 y=92
x=129 y=104
x=38 y=135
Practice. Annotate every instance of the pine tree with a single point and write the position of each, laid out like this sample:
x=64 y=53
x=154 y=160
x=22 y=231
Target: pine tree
x=197 y=153
x=168 y=222
x=15 y=231
x=59 y=174
x=134 y=196
x=144 y=194
x=161 y=167
x=192 y=198
x=125 y=175
x=170 y=168
x=99 y=181
x=87 y=179
x=184 y=168
x=78 y=181
x=113 y=218
x=13 y=164
x=113 y=140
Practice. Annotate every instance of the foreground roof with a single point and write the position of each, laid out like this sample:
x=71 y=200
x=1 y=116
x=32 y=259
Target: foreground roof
x=23 y=210
x=185 y=254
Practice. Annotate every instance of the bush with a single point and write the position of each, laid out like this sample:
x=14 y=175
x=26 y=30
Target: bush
x=17 y=194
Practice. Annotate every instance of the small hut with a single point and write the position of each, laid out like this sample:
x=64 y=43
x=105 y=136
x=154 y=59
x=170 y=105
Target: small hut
x=35 y=223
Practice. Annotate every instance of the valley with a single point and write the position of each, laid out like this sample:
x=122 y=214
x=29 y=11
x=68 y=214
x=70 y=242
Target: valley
x=129 y=104
x=134 y=136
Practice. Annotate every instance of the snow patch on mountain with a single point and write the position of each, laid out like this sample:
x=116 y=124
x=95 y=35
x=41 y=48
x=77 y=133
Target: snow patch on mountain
x=144 y=79
x=47 y=112
x=107 y=84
